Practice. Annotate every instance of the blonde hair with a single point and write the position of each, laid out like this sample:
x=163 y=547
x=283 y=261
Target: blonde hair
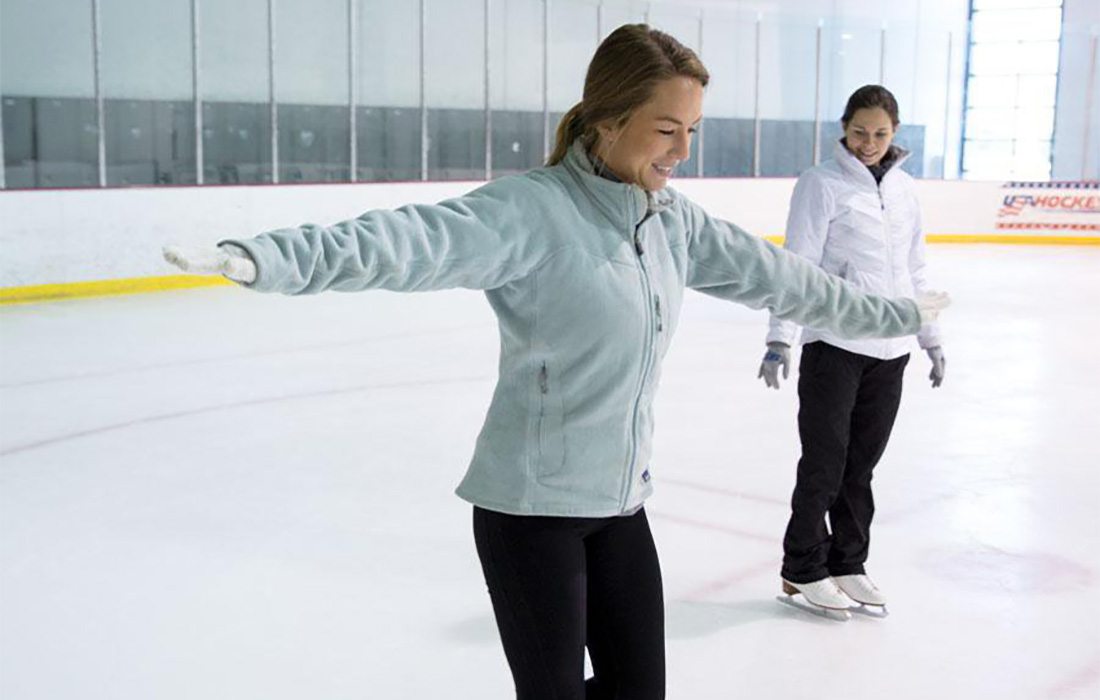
x=622 y=76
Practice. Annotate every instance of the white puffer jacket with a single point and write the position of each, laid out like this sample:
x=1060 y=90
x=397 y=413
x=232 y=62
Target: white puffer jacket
x=865 y=232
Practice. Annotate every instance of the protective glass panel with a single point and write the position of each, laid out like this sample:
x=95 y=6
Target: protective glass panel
x=234 y=89
x=388 y=90
x=787 y=106
x=49 y=115
x=515 y=70
x=311 y=79
x=147 y=86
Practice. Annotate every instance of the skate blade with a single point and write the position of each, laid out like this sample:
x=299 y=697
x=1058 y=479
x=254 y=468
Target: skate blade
x=828 y=613
x=878 y=611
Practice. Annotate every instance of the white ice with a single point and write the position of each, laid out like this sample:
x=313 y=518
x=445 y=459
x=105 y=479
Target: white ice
x=217 y=494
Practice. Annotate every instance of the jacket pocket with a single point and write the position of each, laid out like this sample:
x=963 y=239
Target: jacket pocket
x=551 y=440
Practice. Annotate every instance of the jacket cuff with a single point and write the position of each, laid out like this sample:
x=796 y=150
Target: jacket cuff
x=929 y=336
x=778 y=335
x=242 y=249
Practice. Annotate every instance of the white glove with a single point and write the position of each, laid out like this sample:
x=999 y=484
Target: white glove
x=777 y=354
x=228 y=260
x=930 y=304
x=939 y=365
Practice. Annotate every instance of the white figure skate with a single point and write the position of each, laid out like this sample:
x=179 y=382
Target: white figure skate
x=822 y=597
x=861 y=589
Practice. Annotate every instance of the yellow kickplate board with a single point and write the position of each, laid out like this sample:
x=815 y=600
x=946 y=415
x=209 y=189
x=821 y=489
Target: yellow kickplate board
x=81 y=290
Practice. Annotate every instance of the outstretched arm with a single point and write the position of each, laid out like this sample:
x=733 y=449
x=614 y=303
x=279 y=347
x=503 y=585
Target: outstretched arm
x=729 y=263
x=481 y=240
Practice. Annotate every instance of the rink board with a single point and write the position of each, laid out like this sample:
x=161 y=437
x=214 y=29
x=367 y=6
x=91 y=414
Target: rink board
x=75 y=243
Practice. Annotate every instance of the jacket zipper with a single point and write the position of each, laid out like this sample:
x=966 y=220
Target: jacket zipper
x=544 y=389
x=887 y=342
x=651 y=322
x=889 y=242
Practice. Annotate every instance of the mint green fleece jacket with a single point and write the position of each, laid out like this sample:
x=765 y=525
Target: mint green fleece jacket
x=587 y=277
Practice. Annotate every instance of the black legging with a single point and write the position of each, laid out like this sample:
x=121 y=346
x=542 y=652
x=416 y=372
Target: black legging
x=560 y=584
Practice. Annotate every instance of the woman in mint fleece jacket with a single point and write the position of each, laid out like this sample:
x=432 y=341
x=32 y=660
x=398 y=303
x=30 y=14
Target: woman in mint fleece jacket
x=585 y=262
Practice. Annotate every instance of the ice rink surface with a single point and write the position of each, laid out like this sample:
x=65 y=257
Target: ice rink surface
x=217 y=494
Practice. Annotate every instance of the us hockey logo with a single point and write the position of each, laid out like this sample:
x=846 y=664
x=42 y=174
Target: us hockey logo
x=1050 y=206
x=1014 y=204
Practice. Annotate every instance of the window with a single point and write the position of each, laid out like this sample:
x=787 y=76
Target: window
x=1011 y=85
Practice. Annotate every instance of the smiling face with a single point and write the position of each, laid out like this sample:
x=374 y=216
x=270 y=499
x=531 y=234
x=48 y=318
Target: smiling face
x=647 y=148
x=869 y=134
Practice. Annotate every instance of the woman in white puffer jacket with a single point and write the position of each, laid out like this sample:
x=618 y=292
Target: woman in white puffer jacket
x=857 y=217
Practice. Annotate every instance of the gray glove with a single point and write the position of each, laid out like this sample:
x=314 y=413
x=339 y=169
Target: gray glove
x=777 y=354
x=939 y=365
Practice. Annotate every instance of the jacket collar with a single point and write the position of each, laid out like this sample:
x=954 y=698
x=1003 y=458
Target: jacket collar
x=854 y=166
x=621 y=202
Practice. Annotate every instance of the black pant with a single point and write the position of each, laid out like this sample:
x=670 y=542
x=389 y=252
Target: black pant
x=847 y=406
x=560 y=584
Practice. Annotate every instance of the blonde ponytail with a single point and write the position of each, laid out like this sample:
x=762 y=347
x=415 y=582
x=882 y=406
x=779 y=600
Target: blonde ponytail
x=570 y=128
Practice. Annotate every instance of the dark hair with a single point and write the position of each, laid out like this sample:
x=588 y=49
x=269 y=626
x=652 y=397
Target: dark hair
x=870 y=96
x=622 y=77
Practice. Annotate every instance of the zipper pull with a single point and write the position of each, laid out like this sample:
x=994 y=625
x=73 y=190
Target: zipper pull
x=544 y=383
x=638 y=243
x=660 y=323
